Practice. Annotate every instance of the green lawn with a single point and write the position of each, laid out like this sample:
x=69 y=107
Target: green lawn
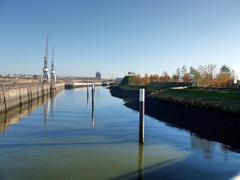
x=222 y=99
x=205 y=94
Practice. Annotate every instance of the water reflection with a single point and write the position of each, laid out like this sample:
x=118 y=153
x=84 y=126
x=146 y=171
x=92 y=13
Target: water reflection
x=87 y=95
x=93 y=108
x=111 y=150
x=140 y=161
x=14 y=116
x=3 y=123
x=48 y=108
x=52 y=105
x=208 y=147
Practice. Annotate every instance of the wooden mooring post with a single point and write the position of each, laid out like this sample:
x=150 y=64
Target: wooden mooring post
x=87 y=91
x=20 y=97
x=31 y=94
x=93 y=88
x=28 y=95
x=4 y=97
x=141 y=115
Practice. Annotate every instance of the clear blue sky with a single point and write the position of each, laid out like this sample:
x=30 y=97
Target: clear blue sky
x=117 y=36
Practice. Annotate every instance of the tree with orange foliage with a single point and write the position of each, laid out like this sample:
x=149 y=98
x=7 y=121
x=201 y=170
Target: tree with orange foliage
x=225 y=77
x=175 y=78
x=146 y=79
x=187 y=77
x=154 y=78
x=165 y=77
x=137 y=79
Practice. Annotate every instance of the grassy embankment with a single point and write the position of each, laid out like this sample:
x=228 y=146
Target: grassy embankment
x=227 y=99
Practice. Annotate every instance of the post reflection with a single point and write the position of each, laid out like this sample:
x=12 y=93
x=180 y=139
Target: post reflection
x=87 y=95
x=14 y=116
x=52 y=105
x=204 y=145
x=140 y=161
x=3 y=120
x=225 y=151
x=208 y=147
x=48 y=108
x=29 y=109
x=93 y=107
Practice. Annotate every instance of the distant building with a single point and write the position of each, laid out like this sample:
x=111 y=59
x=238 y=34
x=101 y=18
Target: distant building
x=98 y=75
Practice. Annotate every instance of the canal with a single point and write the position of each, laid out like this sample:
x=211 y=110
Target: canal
x=64 y=138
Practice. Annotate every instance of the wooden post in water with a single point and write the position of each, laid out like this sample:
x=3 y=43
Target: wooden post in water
x=20 y=97
x=141 y=114
x=87 y=91
x=28 y=95
x=31 y=96
x=93 y=88
x=2 y=101
x=37 y=94
x=4 y=98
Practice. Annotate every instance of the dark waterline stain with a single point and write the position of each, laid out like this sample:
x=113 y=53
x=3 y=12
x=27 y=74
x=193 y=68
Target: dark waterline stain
x=207 y=124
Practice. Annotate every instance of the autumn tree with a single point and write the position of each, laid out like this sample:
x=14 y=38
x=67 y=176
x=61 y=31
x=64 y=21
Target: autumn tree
x=225 y=77
x=146 y=79
x=137 y=79
x=211 y=71
x=154 y=78
x=207 y=74
x=203 y=76
x=176 y=76
x=165 y=77
x=187 y=77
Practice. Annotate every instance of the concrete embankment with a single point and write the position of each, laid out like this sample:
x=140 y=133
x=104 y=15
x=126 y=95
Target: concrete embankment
x=14 y=97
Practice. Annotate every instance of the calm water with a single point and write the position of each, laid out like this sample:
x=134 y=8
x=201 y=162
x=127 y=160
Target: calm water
x=62 y=138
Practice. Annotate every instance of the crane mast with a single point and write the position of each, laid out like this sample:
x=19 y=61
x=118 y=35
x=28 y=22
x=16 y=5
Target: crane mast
x=53 y=76
x=45 y=75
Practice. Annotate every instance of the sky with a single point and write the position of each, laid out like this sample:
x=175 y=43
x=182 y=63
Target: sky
x=117 y=36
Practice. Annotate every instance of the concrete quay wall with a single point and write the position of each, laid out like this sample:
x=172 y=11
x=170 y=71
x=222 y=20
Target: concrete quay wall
x=15 y=97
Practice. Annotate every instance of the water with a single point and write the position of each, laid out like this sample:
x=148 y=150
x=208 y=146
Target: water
x=62 y=138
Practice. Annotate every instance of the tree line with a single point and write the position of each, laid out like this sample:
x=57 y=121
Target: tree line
x=203 y=76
